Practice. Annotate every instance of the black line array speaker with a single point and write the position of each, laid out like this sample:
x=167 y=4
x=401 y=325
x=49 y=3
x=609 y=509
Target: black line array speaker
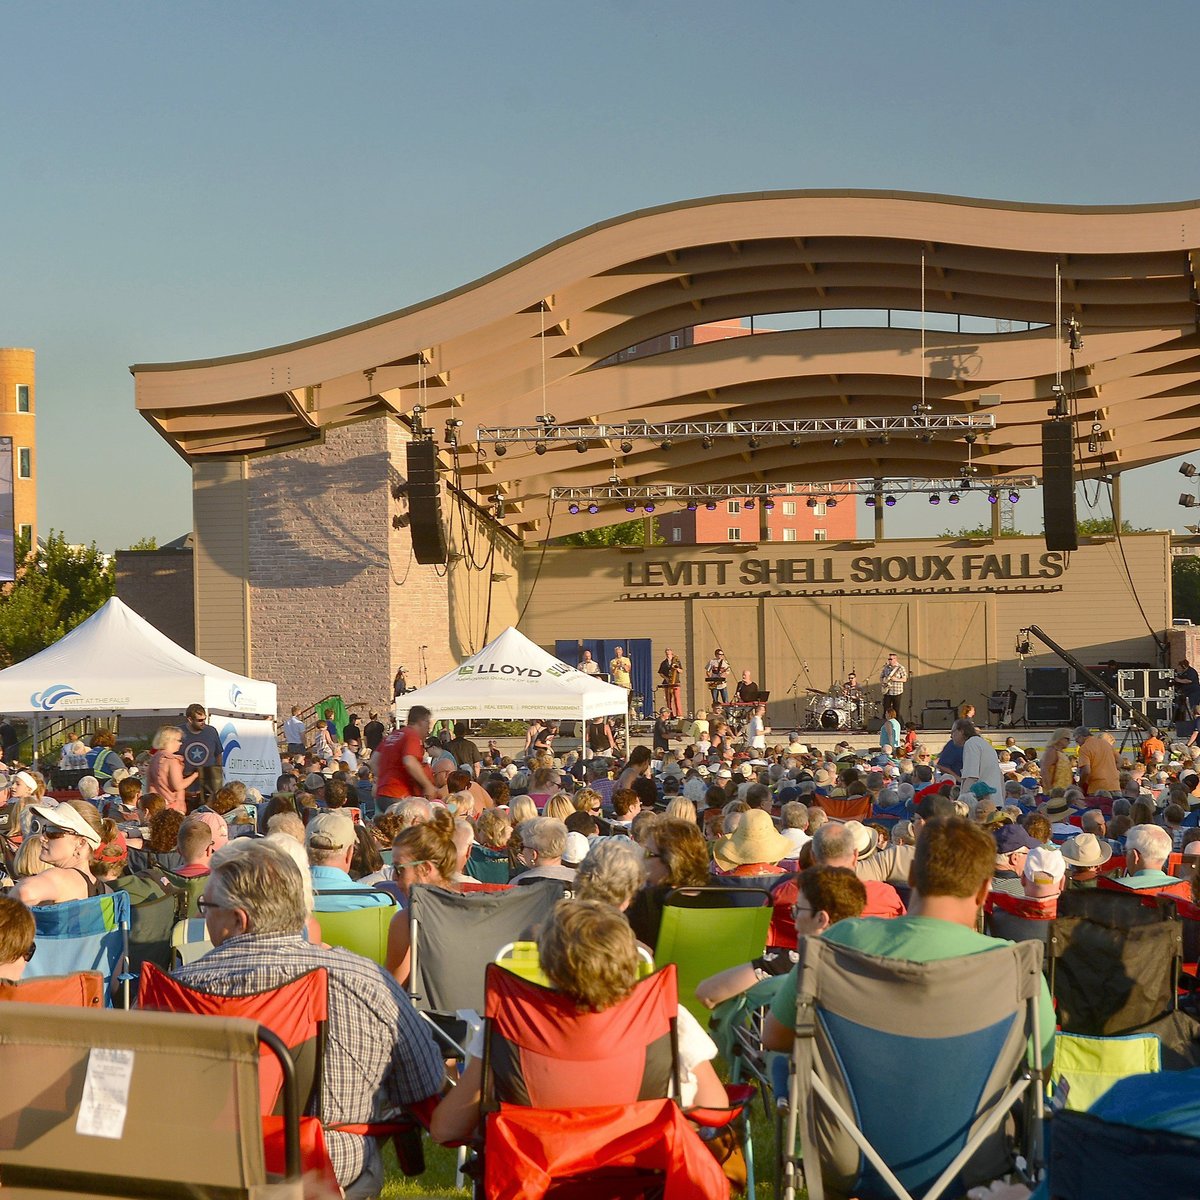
x=425 y=503
x=1058 y=486
x=1048 y=681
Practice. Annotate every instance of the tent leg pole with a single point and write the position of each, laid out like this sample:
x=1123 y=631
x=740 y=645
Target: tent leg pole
x=34 y=749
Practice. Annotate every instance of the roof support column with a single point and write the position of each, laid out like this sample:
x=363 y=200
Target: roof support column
x=879 y=510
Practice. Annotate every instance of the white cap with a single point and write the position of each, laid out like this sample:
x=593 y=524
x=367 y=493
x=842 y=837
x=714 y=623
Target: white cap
x=1044 y=865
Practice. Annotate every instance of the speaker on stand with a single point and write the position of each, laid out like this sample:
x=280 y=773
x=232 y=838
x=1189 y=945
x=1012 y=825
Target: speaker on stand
x=1058 y=485
x=425 y=503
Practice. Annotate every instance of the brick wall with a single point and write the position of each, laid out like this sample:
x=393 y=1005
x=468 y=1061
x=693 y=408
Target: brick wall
x=158 y=585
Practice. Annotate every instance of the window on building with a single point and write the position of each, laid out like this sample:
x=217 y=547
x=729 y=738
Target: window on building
x=789 y=535
x=674 y=341
x=789 y=508
x=733 y=534
x=819 y=535
x=24 y=463
x=677 y=534
x=819 y=509
x=22 y=397
x=25 y=535
x=733 y=506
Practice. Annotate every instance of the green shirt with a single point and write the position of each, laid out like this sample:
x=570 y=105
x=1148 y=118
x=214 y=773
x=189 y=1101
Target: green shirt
x=913 y=939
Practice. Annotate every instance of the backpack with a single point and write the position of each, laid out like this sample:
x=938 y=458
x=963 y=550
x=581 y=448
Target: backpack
x=156 y=905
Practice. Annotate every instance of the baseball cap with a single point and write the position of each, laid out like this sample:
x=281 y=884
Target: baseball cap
x=216 y=823
x=576 y=849
x=329 y=831
x=314 y=781
x=1010 y=838
x=1044 y=865
x=981 y=789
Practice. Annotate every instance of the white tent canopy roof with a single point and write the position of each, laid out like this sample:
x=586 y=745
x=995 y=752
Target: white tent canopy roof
x=116 y=661
x=511 y=678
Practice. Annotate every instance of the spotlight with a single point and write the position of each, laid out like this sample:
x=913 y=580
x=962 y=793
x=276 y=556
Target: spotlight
x=935 y=499
x=581 y=446
x=691 y=506
x=752 y=443
x=971 y=438
x=1188 y=469
x=706 y=442
x=1074 y=335
x=992 y=497
x=666 y=443
x=965 y=486
x=884 y=439
x=1188 y=501
x=593 y=508
x=839 y=441
x=768 y=504
x=831 y=503
x=573 y=508
x=927 y=438
x=546 y=419
x=953 y=497
x=710 y=506
x=890 y=501
x=811 y=502
x=870 y=501
x=631 y=507
x=501 y=449
x=626 y=447
x=796 y=443
x=650 y=507
x=1013 y=497
x=748 y=505
x=540 y=448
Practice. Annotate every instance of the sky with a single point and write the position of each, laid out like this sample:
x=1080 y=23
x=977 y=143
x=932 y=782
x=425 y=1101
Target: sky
x=180 y=180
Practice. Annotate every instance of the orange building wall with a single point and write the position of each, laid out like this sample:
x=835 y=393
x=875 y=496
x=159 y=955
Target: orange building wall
x=17 y=367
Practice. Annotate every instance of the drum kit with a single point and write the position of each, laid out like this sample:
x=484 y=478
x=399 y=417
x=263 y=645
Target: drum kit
x=839 y=708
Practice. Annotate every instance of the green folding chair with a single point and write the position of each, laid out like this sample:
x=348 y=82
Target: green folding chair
x=362 y=930
x=706 y=929
x=1091 y=1065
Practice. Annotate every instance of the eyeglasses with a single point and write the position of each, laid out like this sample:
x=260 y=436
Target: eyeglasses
x=649 y=855
x=30 y=952
x=204 y=906
x=420 y=862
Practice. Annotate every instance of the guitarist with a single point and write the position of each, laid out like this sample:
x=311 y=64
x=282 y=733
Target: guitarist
x=716 y=675
x=670 y=671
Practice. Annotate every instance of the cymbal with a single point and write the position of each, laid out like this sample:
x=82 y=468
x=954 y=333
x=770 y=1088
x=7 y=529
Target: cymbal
x=816 y=691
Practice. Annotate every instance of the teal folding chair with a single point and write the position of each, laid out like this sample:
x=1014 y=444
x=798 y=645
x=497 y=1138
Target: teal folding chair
x=85 y=935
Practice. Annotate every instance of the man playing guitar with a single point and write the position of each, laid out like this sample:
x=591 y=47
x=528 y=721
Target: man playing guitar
x=716 y=675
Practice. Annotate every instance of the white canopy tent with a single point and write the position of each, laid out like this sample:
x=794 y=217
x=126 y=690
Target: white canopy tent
x=512 y=678
x=116 y=661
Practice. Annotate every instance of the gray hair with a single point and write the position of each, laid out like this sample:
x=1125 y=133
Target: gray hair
x=817 y=817
x=547 y=836
x=261 y=880
x=832 y=842
x=288 y=823
x=1092 y=820
x=88 y=787
x=612 y=872
x=1121 y=807
x=1152 y=843
x=1073 y=794
x=965 y=727
x=794 y=815
x=757 y=794
x=413 y=810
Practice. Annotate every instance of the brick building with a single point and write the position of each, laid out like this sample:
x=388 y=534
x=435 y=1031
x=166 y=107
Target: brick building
x=784 y=518
x=160 y=585
x=18 y=409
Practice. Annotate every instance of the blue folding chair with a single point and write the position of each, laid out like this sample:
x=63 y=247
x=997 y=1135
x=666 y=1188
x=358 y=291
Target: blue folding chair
x=84 y=935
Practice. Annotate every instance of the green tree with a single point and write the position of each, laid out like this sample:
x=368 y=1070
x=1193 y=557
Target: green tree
x=146 y=543
x=626 y=533
x=1185 y=587
x=1088 y=527
x=57 y=586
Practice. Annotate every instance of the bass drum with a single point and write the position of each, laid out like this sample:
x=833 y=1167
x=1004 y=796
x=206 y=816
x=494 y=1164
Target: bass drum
x=835 y=715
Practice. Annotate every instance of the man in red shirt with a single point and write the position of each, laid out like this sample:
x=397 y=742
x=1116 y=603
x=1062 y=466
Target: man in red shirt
x=399 y=766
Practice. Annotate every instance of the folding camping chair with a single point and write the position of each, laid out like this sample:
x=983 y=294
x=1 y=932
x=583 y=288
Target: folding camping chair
x=1007 y=917
x=362 y=930
x=706 y=929
x=87 y=1107
x=1089 y=1066
x=576 y=1101
x=84 y=989
x=84 y=935
x=951 y=1037
x=1114 y=961
x=454 y=936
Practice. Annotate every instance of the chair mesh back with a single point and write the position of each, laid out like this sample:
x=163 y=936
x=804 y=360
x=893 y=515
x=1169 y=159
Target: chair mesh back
x=542 y=1052
x=455 y=937
x=81 y=935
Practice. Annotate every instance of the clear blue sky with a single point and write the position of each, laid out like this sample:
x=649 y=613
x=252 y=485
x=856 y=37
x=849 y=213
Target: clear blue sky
x=187 y=179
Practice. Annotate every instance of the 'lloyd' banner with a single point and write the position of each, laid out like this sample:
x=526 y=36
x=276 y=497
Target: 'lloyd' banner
x=249 y=752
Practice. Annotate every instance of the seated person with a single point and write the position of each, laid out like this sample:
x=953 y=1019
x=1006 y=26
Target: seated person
x=1043 y=877
x=331 y=843
x=379 y=1055
x=589 y=954
x=17 y=938
x=950 y=880
x=1147 y=848
x=842 y=845
x=545 y=840
x=74 y=837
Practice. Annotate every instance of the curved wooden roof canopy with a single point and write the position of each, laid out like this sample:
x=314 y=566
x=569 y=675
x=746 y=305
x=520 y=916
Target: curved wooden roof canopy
x=1128 y=276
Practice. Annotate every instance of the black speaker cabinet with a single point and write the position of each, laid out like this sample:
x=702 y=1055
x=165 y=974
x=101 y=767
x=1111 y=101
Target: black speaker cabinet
x=425 y=503
x=1048 y=710
x=1096 y=714
x=937 y=718
x=1047 y=681
x=1058 y=485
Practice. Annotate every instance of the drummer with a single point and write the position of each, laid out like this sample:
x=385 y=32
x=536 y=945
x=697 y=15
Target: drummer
x=851 y=684
x=747 y=690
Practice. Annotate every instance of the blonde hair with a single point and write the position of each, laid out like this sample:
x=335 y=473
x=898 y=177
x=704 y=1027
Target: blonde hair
x=559 y=807
x=682 y=809
x=164 y=732
x=29 y=858
x=521 y=809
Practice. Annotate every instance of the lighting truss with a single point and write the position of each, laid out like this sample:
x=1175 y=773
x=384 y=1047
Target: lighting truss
x=915 y=425
x=700 y=493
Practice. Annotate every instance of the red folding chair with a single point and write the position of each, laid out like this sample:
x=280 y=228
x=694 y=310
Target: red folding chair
x=574 y=1103
x=84 y=989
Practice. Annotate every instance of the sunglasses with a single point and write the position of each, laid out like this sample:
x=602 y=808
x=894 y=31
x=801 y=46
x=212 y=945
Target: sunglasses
x=30 y=952
x=50 y=832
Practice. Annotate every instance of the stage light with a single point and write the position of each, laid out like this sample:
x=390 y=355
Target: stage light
x=935 y=499
x=748 y=505
x=992 y=497
x=885 y=439
x=768 y=504
x=953 y=497
x=971 y=438
x=890 y=501
x=811 y=502
x=752 y=443
x=540 y=448
x=573 y=508
x=626 y=447
x=581 y=446
x=501 y=449
x=1187 y=469
x=631 y=507
x=839 y=441
x=965 y=486
x=706 y=442
x=927 y=438
x=1013 y=497
x=666 y=443
x=710 y=506
x=870 y=501
x=650 y=507
x=546 y=419
x=593 y=508
x=831 y=503
x=1188 y=501
x=796 y=443
x=691 y=506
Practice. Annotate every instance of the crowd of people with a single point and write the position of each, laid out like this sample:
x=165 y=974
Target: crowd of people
x=897 y=849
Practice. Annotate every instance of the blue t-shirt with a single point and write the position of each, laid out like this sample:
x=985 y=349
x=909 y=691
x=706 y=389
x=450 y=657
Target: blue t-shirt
x=202 y=749
x=335 y=879
x=951 y=757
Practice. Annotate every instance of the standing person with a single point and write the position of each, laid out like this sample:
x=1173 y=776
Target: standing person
x=466 y=753
x=1098 y=771
x=373 y=732
x=166 y=774
x=670 y=671
x=588 y=665
x=294 y=733
x=1187 y=687
x=8 y=740
x=890 y=732
x=893 y=677
x=662 y=731
x=981 y=763
x=716 y=674
x=620 y=669
x=201 y=748
x=1057 y=769
x=399 y=767
x=600 y=738
x=400 y=683
x=757 y=730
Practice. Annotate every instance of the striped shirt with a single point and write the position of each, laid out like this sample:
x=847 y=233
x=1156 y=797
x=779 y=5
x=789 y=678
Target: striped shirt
x=379 y=1055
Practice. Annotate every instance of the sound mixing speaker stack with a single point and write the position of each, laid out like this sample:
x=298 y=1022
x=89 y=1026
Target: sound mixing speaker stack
x=1058 y=485
x=1048 y=695
x=425 y=503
